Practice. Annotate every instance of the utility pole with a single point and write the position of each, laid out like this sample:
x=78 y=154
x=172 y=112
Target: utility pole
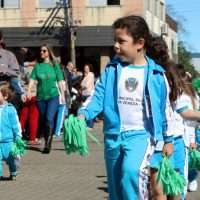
x=68 y=13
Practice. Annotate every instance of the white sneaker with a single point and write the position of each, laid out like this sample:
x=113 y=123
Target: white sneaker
x=193 y=186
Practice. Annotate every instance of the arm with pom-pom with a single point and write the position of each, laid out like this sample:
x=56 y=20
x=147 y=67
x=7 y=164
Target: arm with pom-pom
x=172 y=182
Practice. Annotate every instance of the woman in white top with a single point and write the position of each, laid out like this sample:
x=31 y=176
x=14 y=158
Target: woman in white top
x=87 y=86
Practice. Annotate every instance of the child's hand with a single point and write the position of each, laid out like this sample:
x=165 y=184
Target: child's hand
x=81 y=116
x=193 y=145
x=29 y=95
x=23 y=98
x=62 y=99
x=168 y=149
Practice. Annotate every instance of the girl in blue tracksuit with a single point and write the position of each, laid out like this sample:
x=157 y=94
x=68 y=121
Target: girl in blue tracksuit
x=183 y=103
x=9 y=130
x=189 y=114
x=132 y=94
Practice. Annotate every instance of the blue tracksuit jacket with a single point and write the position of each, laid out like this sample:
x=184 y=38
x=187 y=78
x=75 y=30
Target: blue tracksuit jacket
x=10 y=127
x=105 y=98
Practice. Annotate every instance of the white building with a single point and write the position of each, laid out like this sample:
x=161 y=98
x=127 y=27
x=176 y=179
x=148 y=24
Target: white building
x=196 y=61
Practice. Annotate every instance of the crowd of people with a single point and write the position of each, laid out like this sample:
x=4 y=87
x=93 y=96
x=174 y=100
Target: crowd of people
x=149 y=108
x=40 y=93
x=150 y=112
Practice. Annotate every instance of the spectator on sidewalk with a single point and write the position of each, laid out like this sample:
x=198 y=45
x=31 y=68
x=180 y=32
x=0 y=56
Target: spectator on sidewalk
x=49 y=78
x=10 y=71
x=29 y=114
x=87 y=87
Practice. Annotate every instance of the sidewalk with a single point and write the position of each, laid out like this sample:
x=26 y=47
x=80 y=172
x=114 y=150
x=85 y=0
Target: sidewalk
x=61 y=177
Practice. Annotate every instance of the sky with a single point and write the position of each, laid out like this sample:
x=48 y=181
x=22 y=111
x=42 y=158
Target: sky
x=188 y=13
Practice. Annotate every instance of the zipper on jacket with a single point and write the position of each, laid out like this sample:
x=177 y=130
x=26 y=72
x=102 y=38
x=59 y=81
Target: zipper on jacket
x=118 y=74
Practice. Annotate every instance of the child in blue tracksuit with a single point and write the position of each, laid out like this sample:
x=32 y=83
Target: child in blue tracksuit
x=182 y=99
x=9 y=130
x=132 y=95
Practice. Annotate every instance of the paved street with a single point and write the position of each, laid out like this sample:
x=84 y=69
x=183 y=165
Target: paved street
x=59 y=176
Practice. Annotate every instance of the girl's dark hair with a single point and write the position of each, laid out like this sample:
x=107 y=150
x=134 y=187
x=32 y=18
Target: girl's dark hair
x=186 y=83
x=51 y=55
x=158 y=51
x=176 y=75
x=175 y=83
x=136 y=26
x=90 y=67
x=179 y=83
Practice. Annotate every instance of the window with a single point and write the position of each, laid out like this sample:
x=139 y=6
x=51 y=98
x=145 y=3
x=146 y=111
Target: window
x=47 y=3
x=156 y=8
x=161 y=11
x=9 y=3
x=113 y=2
x=173 y=46
x=96 y=3
x=148 y=5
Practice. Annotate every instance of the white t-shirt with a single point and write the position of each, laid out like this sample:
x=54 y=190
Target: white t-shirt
x=184 y=127
x=1 y=108
x=130 y=98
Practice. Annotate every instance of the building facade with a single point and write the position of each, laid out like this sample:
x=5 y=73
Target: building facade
x=29 y=23
x=196 y=60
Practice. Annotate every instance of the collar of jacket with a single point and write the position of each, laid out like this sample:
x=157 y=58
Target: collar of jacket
x=116 y=61
x=152 y=66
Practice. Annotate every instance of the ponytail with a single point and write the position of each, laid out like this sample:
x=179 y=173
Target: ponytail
x=157 y=50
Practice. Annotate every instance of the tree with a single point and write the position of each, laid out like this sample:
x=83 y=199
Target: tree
x=184 y=58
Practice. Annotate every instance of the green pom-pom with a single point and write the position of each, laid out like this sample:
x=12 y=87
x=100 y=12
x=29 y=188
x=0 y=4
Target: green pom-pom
x=75 y=136
x=172 y=182
x=19 y=148
x=194 y=159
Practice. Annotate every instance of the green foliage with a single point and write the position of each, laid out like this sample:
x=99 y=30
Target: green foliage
x=184 y=58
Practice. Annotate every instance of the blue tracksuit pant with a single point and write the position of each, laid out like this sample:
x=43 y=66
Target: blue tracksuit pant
x=180 y=157
x=61 y=113
x=127 y=157
x=193 y=174
x=5 y=155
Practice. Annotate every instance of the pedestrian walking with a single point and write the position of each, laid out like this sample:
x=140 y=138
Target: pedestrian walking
x=10 y=130
x=132 y=94
x=48 y=76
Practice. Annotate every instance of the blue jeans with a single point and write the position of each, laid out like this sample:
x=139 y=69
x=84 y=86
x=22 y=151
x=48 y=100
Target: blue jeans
x=48 y=109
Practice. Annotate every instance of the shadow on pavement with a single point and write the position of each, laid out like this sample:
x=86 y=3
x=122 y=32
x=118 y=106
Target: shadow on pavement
x=105 y=189
x=32 y=148
x=57 y=149
x=3 y=178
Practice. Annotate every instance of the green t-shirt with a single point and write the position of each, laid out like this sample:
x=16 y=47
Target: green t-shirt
x=47 y=77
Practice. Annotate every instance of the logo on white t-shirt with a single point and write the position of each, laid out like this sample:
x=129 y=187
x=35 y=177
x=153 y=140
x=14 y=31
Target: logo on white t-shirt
x=131 y=84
